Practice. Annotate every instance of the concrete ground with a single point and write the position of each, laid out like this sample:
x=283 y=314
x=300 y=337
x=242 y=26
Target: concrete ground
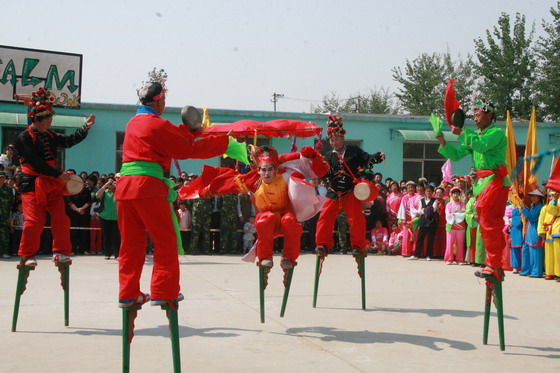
x=421 y=316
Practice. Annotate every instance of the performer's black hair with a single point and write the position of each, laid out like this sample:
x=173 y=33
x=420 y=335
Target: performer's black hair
x=148 y=91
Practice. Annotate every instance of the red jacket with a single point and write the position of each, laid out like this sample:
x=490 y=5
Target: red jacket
x=154 y=139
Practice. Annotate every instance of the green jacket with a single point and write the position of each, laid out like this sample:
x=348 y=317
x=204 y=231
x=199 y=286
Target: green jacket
x=488 y=150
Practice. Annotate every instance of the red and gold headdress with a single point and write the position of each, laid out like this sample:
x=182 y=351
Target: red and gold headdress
x=266 y=155
x=40 y=105
x=335 y=126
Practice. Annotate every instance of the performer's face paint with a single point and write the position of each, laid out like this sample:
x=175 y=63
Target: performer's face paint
x=483 y=118
x=267 y=172
x=337 y=142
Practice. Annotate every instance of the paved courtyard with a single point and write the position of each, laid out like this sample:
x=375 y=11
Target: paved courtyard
x=421 y=316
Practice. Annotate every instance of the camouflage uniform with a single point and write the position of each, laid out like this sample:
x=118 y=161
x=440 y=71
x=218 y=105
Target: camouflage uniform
x=201 y=215
x=342 y=225
x=228 y=223
x=6 y=204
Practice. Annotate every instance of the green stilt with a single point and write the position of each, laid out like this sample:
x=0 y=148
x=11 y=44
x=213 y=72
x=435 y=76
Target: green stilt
x=261 y=291
x=23 y=274
x=286 y=290
x=494 y=292
x=318 y=269
x=171 y=309
x=64 y=269
x=362 y=264
x=487 y=305
x=126 y=339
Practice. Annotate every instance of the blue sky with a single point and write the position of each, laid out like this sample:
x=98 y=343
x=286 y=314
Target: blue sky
x=235 y=54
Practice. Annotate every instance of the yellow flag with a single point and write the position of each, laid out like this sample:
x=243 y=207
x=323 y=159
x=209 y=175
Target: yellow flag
x=511 y=159
x=530 y=181
x=206 y=123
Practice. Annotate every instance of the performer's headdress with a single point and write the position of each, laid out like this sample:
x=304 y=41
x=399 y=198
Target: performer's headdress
x=455 y=189
x=536 y=192
x=266 y=155
x=459 y=178
x=334 y=126
x=154 y=88
x=41 y=104
x=486 y=106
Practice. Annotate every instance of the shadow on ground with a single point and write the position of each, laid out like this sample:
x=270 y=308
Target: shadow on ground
x=159 y=331
x=432 y=312
x=328 y=334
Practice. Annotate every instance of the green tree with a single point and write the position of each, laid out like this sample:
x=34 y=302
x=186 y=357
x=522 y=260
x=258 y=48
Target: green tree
x=423 y=81
x=376 y=101
x=507 y=66
x=548 y=79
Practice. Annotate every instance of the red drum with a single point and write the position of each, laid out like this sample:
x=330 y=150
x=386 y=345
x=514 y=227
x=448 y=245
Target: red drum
x=74 y=185
x=365 y=191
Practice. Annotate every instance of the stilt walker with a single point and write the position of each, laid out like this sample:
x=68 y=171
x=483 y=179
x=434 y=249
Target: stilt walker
x=42 y=186
x=282 y=198
x=346 y=191
x=144 y=203
x=491 y=187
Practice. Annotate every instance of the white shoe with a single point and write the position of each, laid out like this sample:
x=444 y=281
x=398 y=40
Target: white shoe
x=428 y=258
x=61 y=258
x=447 y=263
x=413 y=258
x=140 y=300
x=6 y=256
x=161 y=302
x=30 y=262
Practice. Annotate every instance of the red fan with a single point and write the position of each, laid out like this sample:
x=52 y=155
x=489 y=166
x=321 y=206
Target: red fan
x=454 y=115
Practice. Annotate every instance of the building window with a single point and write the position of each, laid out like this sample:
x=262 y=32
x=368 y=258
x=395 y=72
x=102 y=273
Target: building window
x=422 y=160
x=9 y=134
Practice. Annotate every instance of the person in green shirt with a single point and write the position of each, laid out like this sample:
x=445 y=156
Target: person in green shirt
x=108 y=219
x=487 y=146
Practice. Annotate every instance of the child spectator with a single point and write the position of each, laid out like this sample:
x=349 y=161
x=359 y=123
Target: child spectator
x=455 y=217
x=249 y=234
x=380 y=237
x=532 y=252
x=395 y=240
x=427 y=223
x=185 y=220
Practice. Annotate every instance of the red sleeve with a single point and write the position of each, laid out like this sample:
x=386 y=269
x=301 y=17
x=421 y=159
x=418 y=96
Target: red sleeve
x=320 y=166
x=209 y=147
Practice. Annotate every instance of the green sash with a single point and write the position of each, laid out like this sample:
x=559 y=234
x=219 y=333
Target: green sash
x=155 y=170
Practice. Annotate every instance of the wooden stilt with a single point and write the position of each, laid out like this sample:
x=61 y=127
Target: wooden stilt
x=318 y=270
x=262 y=286
x=289 y=274
x=494 y=293
x=23 y=274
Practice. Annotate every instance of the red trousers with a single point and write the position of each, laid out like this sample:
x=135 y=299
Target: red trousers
x=268 y=225
x=356 y=221
x=490 y=207
x=95 y=236
x=35 y=217
x=136 y=218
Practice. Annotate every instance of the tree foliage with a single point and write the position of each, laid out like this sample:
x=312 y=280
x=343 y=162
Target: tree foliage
x=548 y=80
x=506 y=66
x=423 y=81
x=376 y=101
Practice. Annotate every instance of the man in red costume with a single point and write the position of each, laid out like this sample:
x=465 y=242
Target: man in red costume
x=143 y=194
x=42 y=183
x=345 y=163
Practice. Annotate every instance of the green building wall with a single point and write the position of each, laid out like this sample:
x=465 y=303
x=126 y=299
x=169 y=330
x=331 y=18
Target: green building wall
x=377 y=133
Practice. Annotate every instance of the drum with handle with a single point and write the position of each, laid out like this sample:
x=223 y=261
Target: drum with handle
x=74 y=185
x=365 y=191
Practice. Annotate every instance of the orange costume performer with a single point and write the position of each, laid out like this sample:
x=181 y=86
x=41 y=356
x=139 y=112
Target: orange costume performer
x=282 y=197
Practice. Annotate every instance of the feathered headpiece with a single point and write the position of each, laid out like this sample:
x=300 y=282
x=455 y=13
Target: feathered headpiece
x=154 y=88
x=335 y=126
x=40 y=105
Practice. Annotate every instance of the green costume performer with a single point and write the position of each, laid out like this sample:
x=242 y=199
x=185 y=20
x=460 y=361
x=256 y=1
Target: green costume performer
x=488 y=149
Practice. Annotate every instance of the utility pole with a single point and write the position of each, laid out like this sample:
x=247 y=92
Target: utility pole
x=275 y=97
